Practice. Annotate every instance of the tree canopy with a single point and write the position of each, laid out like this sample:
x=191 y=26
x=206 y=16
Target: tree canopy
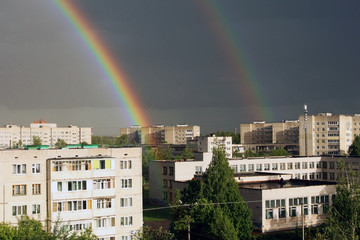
x=60 y=143
x=354 y=149
x=31 y=229
x=279 y=152
x=36 y=140
x=235 y=136
x=216 y=208
x=343 y=220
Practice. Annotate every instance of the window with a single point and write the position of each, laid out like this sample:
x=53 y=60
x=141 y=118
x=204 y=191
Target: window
x=103 y=203
x=324 y=165
x=126 y=202
x=77 y=185
x=251 y=167
x=282 y=213
x=171 y=170
x=314 y=209
x=164 y=172
x=289 y=166
x=304 y=165
x=269 y=214
x=19 y=190
x=19 y=210
x=72 y=205
x=36 y=189
x=126 y=183
x=312 y=165
x=282 y=166
x=104 y=183
x=331 y=165
x=234 y=168
x=266 y=166
x=331 y=176
x=35 y=168
x=312 y=176
x=292 y=211
x=125 y=164
x=198 y=169
x=19 y=169
x=59 y=186
x=274 y=166
x=126 y=221
x=297 y=165
x=102 y=164
x=35 y=209
x=242 y=167
x=258 y=167
x=57 y=166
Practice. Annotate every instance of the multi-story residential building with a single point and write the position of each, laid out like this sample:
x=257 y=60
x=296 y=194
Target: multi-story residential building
x=101 y=188
x=262 y=136
x=327 y=134
x=49 y=133
x=158 y=134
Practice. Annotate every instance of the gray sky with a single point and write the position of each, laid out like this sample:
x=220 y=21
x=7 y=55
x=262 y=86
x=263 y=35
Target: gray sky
x=298 y=52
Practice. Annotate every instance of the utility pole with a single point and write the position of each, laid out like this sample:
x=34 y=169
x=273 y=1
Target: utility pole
x=188 y=220
x=305 y=128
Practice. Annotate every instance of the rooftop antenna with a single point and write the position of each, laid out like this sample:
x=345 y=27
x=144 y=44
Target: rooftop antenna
x=305 y=128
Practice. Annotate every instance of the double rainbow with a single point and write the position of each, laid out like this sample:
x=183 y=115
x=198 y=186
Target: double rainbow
x=231 y=49
x=113 y=71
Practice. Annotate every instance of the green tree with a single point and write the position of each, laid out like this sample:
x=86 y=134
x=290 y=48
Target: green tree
x=354 y=149
x=60 y=143
x=31 y=229
x=147 y=156
x=163 y=153
x=36 y=140
x=343 y=220
x=149 y=233
x=187 y=154
x=235 y=136
x=123 y=139
x=279 y=152
x=216 y=208
x=248 y=153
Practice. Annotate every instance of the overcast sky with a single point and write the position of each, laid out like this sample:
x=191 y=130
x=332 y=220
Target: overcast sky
x=296 y=51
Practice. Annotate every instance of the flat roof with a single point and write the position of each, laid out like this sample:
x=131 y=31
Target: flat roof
x=293 y=183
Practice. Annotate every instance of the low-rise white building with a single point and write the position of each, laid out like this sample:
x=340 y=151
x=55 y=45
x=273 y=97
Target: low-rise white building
x=98 y=188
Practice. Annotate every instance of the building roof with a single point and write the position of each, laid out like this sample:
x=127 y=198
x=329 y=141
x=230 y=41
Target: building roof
x=292 y=183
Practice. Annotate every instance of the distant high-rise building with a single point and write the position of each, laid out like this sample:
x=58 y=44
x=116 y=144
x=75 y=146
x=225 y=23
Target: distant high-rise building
x=158 y=134
x=262 y=136
x=49 y=133
x=328 y=134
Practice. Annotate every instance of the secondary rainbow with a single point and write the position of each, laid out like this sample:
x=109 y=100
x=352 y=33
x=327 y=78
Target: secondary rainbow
x=113 y=71
x=249 y=87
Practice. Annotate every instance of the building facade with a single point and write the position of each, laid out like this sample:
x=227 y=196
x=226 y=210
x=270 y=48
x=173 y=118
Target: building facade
x=158 y=134
x=327 y=134
x=262 y=136
x=98 y=188
x=49 y=133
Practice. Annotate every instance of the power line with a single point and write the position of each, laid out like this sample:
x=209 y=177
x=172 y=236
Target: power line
x=198 y=204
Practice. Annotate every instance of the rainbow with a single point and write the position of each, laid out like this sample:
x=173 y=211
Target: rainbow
x=250 y=89
x=107 y=63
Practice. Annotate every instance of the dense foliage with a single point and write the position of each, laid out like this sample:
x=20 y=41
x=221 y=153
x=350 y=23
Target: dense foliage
x=279 y=152
x=60 y=143
x=31 y=229
x=235 y=136
x=149 y=233
x=110 y=140
x=354 y=149
x=215 y=207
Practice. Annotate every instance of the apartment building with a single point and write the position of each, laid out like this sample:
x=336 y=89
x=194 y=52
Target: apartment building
x=262 y=136
x=327 y=134
x=207 y=144
x=158 y=134
x=49 y=133
x=98 y=188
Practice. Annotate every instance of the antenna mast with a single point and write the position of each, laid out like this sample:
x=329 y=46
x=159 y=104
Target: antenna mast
x=305 y=128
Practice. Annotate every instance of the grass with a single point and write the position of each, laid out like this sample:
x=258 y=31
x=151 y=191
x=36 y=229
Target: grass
x=155 y=215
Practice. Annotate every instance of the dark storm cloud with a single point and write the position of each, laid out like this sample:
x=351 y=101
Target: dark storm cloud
x=299 y=52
